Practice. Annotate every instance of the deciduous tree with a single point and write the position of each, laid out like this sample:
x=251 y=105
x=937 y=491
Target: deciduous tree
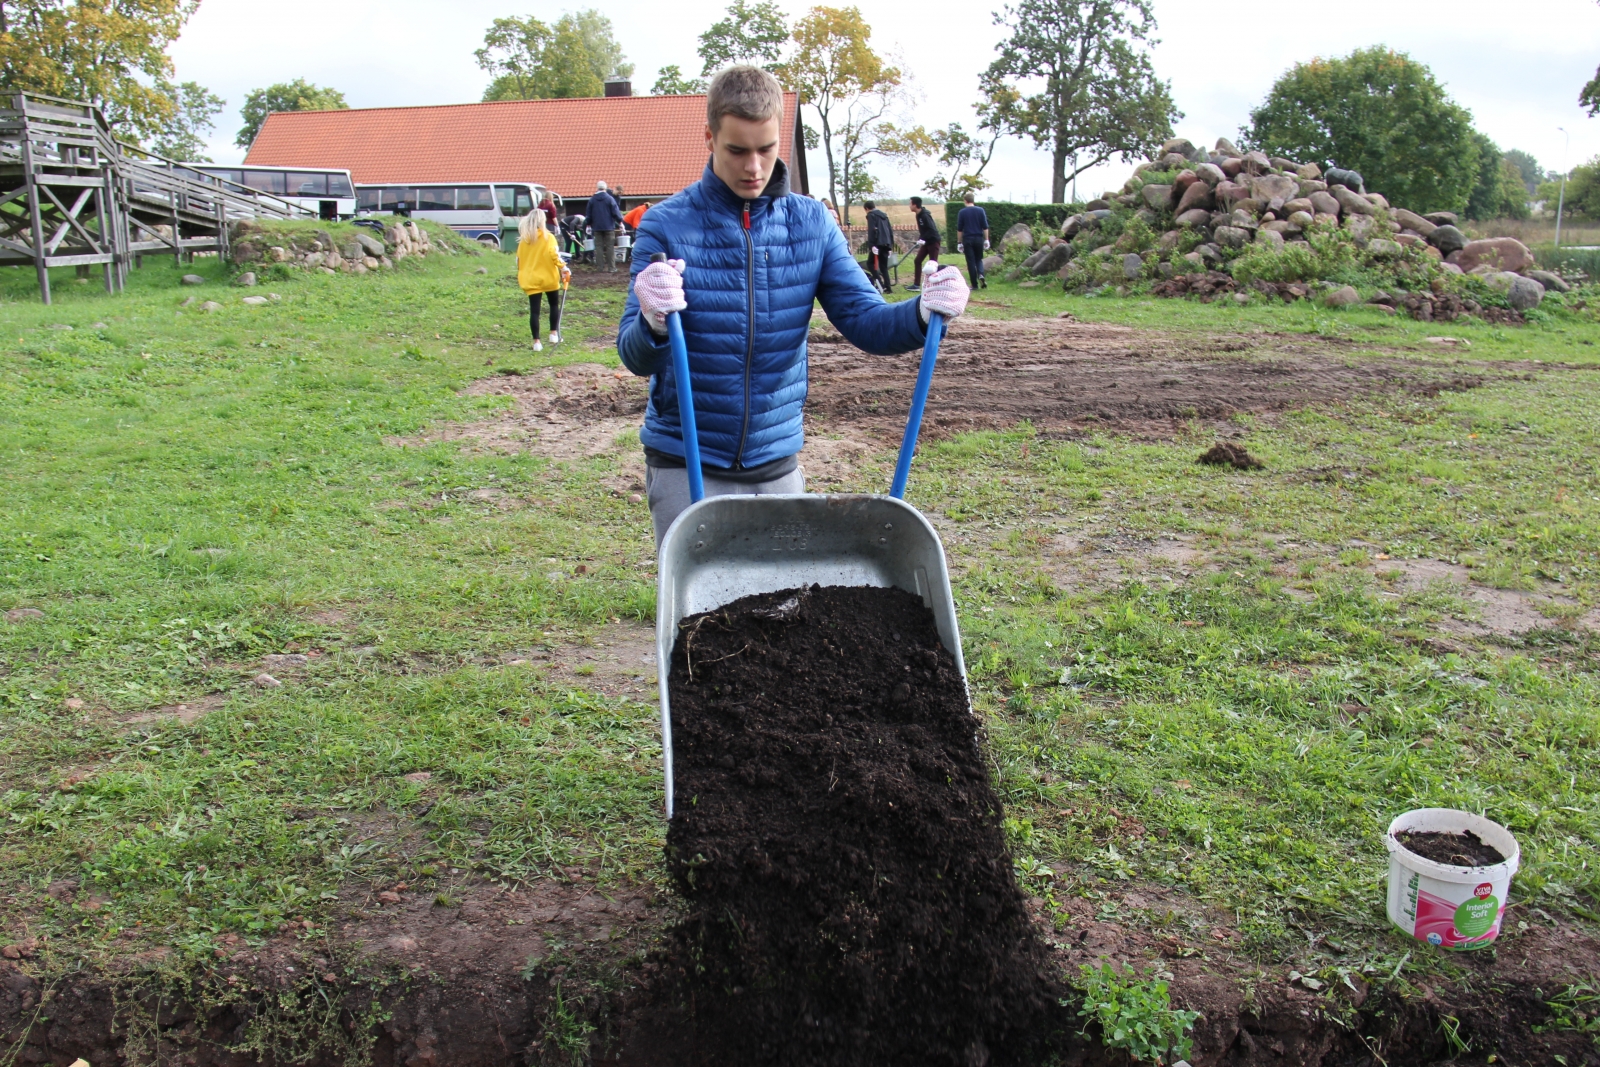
x=1498 y=192
x=847 y=85
x=748 y=33
x=1379 y=112
x=1528 y=167
x=298 y=95
x=109 y=52
x=671 y=82
x=1085 y=88
x=531 y=60
x=195 y=110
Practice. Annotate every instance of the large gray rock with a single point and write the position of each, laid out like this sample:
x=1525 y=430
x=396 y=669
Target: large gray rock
x=1442 y=218
x=192 y=279
x=1379 y=248
x=1256 y=163
x=1270 y=187
x=1055 y=257
x=1132 y=265
x=1300 y=220
x=1309 y=171
x=1069 y=229
x=1231 y=236
x=1501 y=253
x=1412 y=221
x=1194 y=217
x=1183 y=147
x=993 y=263
x=1360 y=226
x=1525 y=294
x=1034 y=260
x=1351 y=201
x=247 y=279
x=1271 y=239
x=1156 y=197
x=1210 y=173
x=1199 y=194
x=1342 y=297
x=1447 y=239
x=370 y=244
x=1229 y=193
x=1350 y=179
x=1021 y=236
x=1300 y=203
x=1549 y=280
x=1226 y=147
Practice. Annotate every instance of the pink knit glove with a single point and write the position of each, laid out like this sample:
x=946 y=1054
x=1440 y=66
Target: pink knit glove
x=943 y=290
x=659 y=288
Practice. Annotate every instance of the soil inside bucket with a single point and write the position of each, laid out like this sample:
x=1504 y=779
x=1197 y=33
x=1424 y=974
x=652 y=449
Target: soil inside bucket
x=839 y=846
x=1464 y=849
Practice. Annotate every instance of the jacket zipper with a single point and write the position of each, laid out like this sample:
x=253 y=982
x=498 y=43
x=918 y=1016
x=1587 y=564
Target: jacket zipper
x=750 y=329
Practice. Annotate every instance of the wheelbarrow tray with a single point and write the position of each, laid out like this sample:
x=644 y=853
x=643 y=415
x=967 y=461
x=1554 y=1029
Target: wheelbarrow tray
x=727 y=547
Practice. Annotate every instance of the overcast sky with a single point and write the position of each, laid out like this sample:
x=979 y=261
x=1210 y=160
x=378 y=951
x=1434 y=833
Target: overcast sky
x=1517 y=67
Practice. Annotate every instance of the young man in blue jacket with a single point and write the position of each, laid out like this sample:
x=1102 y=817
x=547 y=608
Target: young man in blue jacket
x=746 y=261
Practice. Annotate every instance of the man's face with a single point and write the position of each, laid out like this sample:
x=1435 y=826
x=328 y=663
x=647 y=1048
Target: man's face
x=743 y=153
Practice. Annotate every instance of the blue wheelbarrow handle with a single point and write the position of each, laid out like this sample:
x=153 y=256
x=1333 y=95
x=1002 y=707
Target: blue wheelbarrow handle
x=680 y=377
x=908 y=445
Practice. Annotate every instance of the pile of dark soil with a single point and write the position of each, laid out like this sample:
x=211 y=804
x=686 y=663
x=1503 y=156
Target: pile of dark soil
x=1207 y=287
x=1228 y=454
x=839 y=846
x=1464 y=849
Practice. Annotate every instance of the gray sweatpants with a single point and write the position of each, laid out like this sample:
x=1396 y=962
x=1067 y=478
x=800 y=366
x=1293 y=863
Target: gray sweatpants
x=667 y=489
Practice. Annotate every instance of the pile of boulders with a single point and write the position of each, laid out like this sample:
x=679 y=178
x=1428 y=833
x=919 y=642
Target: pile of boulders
x=1219 y=203
x=356 y=252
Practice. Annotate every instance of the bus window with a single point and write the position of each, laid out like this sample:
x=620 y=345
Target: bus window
x=474 y=198
x=339 y=185
x=436 y=199
x=369 y=199
x=515 y=200
x=302 y=183
x=265 y=181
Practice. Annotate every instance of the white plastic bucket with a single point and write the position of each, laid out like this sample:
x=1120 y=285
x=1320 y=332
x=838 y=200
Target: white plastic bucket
x=1452 y=907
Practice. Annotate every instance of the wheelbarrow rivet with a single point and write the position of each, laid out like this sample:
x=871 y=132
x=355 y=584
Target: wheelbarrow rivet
x=701 y=528
x=888 y=526
x=699 y=544
x=883 y=540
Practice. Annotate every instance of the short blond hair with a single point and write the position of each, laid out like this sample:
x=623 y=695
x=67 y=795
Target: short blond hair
x=531 y=225
x=745 y=92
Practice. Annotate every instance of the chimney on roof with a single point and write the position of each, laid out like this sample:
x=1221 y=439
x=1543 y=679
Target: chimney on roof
x=619 y=87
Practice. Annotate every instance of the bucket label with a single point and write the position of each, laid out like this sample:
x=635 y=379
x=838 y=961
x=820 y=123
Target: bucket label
x=1470 y=924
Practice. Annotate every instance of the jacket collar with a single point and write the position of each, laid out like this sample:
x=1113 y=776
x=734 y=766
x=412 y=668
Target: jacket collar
x=717 y=189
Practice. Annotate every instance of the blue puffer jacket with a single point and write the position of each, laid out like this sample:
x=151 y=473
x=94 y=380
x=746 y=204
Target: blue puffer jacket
x=749 y=286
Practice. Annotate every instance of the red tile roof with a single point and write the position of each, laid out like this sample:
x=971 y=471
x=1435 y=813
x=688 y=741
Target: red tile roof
x=649 y=145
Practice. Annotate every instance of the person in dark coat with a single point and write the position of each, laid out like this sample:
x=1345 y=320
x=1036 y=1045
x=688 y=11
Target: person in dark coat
x=604 y=215
x=880 y=243
x=972 y=229
x=927 y=242
x=746 y=262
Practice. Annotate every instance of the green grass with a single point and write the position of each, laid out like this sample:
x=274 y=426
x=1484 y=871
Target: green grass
x=186 y=493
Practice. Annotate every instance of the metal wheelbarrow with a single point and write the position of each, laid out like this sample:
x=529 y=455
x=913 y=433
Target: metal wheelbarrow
x=727 y=547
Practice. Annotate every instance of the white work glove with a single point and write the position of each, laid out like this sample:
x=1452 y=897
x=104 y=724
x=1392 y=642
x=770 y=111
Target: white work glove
x=986 y=244
x=943 y=290
x=919 y=244
x=659 y=288
x=960 y=247
x=874 y=249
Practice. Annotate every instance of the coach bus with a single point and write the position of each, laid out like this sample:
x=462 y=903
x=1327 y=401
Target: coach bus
x=474 y=210
x=325 y=192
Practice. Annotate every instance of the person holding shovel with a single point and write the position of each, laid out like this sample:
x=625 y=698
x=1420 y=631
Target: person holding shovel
x=540 y=272
x=746 y=261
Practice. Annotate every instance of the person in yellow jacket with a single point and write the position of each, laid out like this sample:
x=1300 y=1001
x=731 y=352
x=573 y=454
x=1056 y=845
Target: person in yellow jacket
x=540 y=271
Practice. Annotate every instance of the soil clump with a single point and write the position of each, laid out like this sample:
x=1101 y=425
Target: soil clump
x=1464 y=849
x=838 y=845
x=1228 y=454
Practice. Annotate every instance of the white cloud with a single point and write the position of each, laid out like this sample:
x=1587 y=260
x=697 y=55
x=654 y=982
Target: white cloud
x=1518 y=69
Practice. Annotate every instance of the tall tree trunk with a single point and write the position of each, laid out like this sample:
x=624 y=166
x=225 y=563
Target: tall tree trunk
x=1058 y=175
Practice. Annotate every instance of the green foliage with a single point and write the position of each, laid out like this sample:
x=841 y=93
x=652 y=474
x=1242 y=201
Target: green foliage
x=755 y=33
x=1528 y=168
x=1583 y=191
x=671 y=82
x=1101 y=98
x=962 y=159
x=1135 y=1014
x=1590 y=96
x=1379 y=112
x=1576 y=1009
x=1003 y=215
x=532 y=60
x=298 y=95
x=1498 y=192
x=194 y=113
x=114 y=54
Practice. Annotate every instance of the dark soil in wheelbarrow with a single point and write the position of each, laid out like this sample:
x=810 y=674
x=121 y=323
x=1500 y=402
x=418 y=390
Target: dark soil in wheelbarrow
x=839 y=846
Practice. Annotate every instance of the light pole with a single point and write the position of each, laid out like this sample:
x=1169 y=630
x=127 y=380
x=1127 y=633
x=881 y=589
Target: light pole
x=1561 y=200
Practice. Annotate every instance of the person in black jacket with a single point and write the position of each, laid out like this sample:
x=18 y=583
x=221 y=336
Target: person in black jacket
x=880 y=242
x=927 y=242
x=604 y=215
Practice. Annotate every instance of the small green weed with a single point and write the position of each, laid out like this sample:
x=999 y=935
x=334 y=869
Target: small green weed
x=1135 y=1014
x=1577 y=1008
